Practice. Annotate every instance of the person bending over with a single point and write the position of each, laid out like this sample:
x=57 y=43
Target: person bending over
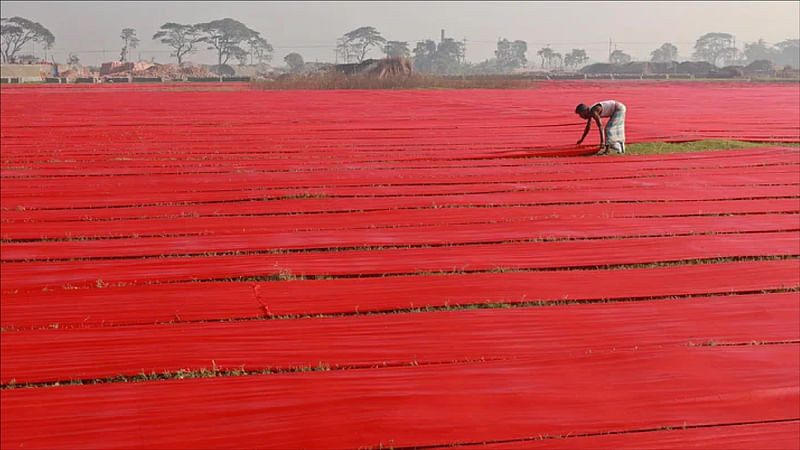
x=613 y=135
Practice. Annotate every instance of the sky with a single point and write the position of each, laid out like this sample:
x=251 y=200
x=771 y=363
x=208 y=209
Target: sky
x=91 y=29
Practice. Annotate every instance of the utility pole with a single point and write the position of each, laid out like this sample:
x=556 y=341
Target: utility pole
x=609 y=50
x=442 y=35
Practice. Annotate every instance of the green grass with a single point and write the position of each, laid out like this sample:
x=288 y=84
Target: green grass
x=660 y=148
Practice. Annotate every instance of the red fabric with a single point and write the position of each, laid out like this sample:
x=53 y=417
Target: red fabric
x=544 y=228
x=138 y=304
x=756 y=436
x=449 y=181
x=318 y=205
x=386 y=218
x=187 y=169
x=415 y=406
x=427 y=338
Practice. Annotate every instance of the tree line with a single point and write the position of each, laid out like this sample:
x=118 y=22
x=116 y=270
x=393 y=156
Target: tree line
x=229 y=38
x=233 y=40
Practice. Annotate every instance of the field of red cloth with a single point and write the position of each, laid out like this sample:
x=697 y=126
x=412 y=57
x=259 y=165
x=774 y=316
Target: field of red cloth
x=208 y=266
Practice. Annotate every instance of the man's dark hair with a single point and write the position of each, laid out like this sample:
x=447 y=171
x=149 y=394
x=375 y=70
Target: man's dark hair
x=579 y=108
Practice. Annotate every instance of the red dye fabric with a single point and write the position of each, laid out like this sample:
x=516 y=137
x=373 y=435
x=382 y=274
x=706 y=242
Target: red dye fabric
x=397 y=178
x=162 y=169
x=221 y=225
x=482 y=122
x=424 y=338
x=320 y=205
x=416 y=406
x=539 y=255
x=777 y=175
x=545 y=228
x=756 y=436
x=146 y=304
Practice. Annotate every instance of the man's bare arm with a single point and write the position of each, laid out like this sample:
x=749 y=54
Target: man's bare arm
x=585 y=130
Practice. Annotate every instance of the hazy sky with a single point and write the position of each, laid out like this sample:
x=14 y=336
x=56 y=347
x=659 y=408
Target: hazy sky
x=91 y=29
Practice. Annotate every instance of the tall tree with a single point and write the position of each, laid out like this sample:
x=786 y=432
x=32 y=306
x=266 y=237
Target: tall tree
x=227 y=37
x=666 y=53
x=449 y=54
x=546 y=54
x=755 y=51
x=716 y=48
x=345 y=49
x=511 y=55
x=241 y=55
x=558 y=58
x=294 y=61
x=259 y=49
x=15 y=32
x=619 y=57
x=396 y=49
x=446 y=57
x=129 y=41
x=575 y=58
x=361 y=39
x=425 y=56
x=789 y=53
x=181 y=38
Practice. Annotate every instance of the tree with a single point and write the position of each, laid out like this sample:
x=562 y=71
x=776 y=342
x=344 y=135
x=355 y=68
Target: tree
x=755 y=51
x=345 y=49
x=666 y=53
x=129 y=41
x=446 y=57
x=226 y=37
x=511 y=55
x=394 y=49
x=361 y=39
x=259 y=49
x=449 y=54
x=294 y=61
x=240 y=55
x=181 y=38
x=575 y=58
x=15 y=32
x=425 y=56
x=714 y=48
x=789 y=53
x=73 y=59
x=557 y=57
x=619 y=57
x=546 y=54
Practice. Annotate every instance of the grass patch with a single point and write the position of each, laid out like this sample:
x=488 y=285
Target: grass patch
x=203 y=372
x=662 y=148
